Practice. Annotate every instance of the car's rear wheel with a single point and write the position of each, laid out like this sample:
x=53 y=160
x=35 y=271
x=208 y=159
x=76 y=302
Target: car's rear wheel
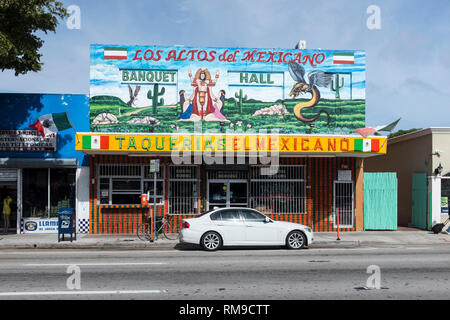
x=211 y=241
x=295 y=240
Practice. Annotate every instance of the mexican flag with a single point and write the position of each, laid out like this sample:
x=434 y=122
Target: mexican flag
x=115 y=53
x=95 y=142
x=367 y=145
x=51 y=123
x=343 y=58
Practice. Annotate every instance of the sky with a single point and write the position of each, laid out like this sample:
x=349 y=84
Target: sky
x=407 y=58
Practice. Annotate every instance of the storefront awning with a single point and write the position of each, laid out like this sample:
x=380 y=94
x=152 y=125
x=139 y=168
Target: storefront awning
x=37 y=163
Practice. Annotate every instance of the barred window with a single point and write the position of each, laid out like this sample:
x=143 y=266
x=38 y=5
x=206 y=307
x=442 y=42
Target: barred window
x=183 y=189
x=283 y=192
x=124 y=184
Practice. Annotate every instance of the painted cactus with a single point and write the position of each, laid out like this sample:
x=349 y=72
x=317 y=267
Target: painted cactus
x=155 y=95
x=241 y=99
x=336 y=87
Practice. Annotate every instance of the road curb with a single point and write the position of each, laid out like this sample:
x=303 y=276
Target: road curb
x=335 y=244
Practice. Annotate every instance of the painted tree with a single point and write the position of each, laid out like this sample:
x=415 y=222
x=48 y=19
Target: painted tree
x=21 y=21
x=155 y=95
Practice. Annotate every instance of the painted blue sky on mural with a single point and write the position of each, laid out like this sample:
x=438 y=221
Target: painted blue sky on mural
x=106 y=77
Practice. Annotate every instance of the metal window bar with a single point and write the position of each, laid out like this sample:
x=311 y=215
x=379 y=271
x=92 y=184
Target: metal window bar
x=119 y=170
x=183 y=189
x=285 y=172
x=227 y=175
x=344 y=203
x=284 y=192
x=107 y=173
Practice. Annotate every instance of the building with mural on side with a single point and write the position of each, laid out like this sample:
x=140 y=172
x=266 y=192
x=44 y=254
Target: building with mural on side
x=271 y=129
x=42 y=175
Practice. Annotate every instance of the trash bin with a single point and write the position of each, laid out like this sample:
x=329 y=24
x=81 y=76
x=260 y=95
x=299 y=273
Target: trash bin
x=65 y=223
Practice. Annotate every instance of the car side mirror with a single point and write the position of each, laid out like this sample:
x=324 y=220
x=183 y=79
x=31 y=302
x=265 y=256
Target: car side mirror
x=267 y=220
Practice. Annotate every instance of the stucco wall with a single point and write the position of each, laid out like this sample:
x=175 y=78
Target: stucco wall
x=441 y=141
x=405 y=155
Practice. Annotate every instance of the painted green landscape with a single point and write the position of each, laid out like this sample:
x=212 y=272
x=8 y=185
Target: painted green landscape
x=345 y=116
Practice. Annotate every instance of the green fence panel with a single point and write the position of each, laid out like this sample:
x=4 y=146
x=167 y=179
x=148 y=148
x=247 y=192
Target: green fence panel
x=419 y=200
x=380 y=201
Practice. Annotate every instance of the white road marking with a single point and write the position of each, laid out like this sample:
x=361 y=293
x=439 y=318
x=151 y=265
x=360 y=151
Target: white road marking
x=86 y=252
x=93 y=264
x=74 y=292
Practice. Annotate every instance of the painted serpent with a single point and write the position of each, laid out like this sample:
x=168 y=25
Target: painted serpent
x=316 y=79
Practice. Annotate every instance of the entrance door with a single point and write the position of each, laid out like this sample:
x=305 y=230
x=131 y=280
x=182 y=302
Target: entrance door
x=344 y=204
x=8 y=188
x=419 y=200
x=227 y=193
x=217 y=195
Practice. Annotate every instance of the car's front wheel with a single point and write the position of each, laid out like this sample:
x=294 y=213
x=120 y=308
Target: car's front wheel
x=295 y=240
x=211 y=241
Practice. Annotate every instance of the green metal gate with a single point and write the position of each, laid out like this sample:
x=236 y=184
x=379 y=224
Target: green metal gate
x=380 y=201
x=419 y=200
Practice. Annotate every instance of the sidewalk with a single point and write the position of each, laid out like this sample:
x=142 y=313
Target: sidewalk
x=403 y=236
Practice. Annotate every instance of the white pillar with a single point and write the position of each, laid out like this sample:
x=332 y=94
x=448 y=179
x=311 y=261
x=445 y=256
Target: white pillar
x=434 y=186
x=82 y=199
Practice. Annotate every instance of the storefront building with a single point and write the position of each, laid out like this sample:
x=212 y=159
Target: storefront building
x=41 y=175
x=308 y=188
x=271 y=129
x=421 y=160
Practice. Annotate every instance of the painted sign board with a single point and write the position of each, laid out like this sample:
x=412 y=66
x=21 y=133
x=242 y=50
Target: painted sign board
x=165 y=89
x=344 y=175
x=26 y=140
x=223 y=143
x=36 y=225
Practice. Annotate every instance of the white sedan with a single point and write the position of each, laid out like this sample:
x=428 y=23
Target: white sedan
x=242 y=227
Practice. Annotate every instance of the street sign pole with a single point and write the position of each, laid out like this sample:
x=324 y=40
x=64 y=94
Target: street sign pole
x=154 y=204
x=154 y=167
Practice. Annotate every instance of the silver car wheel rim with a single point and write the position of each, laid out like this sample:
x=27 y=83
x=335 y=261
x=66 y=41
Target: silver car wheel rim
x=296 y=240
x=211 y=241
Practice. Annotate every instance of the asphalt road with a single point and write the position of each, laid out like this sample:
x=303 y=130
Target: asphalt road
x=405 y=273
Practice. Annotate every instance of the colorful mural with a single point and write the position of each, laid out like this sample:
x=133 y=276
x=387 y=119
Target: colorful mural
x=20 y=110
x=171 y=89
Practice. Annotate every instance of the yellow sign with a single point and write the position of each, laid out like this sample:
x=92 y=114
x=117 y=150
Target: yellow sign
x=225 y=143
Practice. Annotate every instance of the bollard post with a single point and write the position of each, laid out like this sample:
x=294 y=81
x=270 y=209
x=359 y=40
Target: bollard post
x=150 y=216
x=337 y=222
